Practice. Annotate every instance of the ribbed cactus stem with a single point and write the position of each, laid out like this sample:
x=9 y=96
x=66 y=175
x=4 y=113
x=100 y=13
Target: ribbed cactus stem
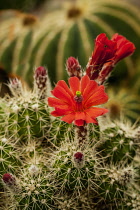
x=81 y=134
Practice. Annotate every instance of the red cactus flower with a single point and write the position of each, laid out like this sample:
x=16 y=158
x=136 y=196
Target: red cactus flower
x=124 y=47
x=104 y=51
x=76 y=103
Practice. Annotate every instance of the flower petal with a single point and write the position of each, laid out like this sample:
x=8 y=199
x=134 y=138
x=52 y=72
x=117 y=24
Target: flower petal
x=54 y=102
x=79 y=116
x=89 y=119
x=74 y=83
x=84 y=83
x=61 y=112
x=79 y=122
x=68 y=118
x=95 y=112
x=60 y=93
x=63 y=84
x=90 y=89
x=99 y=97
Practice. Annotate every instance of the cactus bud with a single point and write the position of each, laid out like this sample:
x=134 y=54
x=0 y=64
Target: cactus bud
x=8 y=179
x=11 y=183
x=15 y=86
x=79 y=160
x=40 y=77
x=73 y=67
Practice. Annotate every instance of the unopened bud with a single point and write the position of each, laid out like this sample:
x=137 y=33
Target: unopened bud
x=10 y=183
x=79 y=160
x=40 y=77
x=73 y=67
x=8 y=179
x=15 y=86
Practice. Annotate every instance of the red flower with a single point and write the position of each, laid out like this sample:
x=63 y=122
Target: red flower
x=106 y=54
x=104 y=51
x=76 y=103
x=124 y=47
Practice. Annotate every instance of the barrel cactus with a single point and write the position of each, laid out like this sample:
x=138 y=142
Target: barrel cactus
x=123 y=102
x=67 y=32
x=93 y=160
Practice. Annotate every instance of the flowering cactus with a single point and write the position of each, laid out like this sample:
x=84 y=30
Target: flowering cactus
x=65 y=152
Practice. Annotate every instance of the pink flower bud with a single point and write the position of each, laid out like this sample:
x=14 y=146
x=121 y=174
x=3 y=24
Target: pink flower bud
x=79 y=156
x=8 y=179
x=73 y=67
x=40 y=77
x=79 y=160
x=15 y=86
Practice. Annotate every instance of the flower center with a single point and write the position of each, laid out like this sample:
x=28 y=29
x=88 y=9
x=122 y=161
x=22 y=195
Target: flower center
x=78 y=97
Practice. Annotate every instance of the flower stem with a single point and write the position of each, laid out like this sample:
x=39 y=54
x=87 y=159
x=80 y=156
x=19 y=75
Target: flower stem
x=81 y=133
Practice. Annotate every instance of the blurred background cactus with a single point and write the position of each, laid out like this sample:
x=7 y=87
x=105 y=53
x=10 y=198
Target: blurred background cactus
x=28 y=41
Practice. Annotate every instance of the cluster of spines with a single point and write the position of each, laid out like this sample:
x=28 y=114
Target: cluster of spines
x=31 y=190
x=117 y=144
x=27 y=114
x=9 y=159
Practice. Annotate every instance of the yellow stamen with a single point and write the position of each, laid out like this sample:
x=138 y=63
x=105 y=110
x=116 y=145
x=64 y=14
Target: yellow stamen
x=78 y=93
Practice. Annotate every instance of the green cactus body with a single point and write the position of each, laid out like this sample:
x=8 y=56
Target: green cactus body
x=72 y=174
x=27 y=118
x=35 y=191
x=114 y=182
x=9 y=158
x=118 y=145
x=69 y=32
x=132 y=199
x=60 y=131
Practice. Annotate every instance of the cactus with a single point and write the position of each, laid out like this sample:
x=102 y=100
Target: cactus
x=27 y=116
x=119 y=141
x=53 y=44
x=66 y=152
x=123 y=102
x=9 y=158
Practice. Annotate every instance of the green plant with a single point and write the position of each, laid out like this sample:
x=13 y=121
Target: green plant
x=73 y=162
